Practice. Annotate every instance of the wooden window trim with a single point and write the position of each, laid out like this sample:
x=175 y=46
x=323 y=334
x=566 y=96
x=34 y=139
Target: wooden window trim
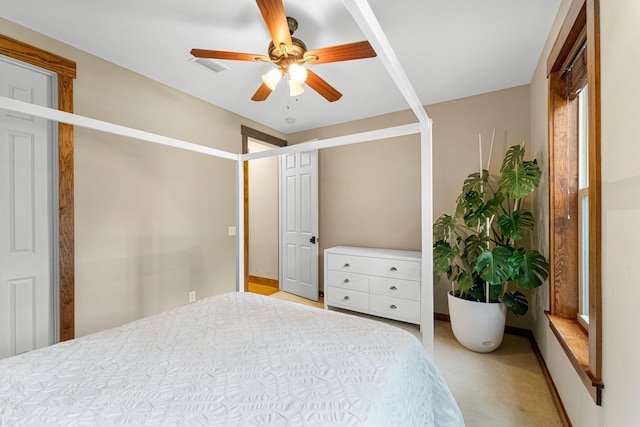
x=583 y=347
x=247 y=133
x=66 y=71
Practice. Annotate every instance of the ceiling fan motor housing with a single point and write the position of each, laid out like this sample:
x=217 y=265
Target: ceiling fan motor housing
x=284 y=56
x=293 y=25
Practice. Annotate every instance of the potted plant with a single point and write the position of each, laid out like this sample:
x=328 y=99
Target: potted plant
x=481 y=248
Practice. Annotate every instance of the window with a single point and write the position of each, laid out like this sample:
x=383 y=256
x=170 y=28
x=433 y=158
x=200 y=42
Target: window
x=574 y=192
x=583 y=207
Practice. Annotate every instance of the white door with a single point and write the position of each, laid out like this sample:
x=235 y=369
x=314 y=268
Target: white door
x=299 y=224
x=26 y=291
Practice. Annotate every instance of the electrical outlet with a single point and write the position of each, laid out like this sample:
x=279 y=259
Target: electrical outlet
x=192 y=296
x=232 y=230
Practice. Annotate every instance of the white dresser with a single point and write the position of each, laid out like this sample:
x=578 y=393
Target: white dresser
x=382 y=282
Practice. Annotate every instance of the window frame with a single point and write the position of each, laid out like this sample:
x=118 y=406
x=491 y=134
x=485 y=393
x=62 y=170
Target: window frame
x=583 y=346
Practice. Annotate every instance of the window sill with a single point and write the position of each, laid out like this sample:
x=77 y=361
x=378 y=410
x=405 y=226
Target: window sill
x=575 y=343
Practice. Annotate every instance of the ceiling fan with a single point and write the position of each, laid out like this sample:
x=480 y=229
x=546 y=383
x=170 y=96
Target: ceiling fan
x=289 y=54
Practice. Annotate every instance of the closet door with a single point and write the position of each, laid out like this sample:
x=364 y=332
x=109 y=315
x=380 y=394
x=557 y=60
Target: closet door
x=26 y=213
x=299 y=224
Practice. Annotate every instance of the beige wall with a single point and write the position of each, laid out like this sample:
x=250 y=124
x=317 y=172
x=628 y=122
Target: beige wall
x=151 y=221
x=263 y=214
x=370 y=192
x=620 y=211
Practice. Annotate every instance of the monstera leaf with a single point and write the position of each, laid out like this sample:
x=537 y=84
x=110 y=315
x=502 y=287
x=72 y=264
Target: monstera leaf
x=474 y=182
x=512 y=157
x=517 y=225
x=443 y=257
x=530 y=268
x=519 y=182
x=465 y=281
x=493 y=265
x=473 y=191
x=478 y=212
x=443 y=227
x=516 y=302
x=468 y=202
x=474 y=245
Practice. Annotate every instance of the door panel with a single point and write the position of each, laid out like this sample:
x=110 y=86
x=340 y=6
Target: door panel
x=299 y=219
x=26 y=214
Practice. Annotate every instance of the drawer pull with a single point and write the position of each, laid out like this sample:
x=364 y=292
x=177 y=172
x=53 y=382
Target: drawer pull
x=346 y=298
x=393 y=288
x=393 y=307
x=346 y=265
x=393 y=269
x=346 y=281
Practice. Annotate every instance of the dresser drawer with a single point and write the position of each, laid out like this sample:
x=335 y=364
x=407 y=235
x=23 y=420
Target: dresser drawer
x=340 y=279
x=398 y=288
x=348 y=263
x=399 y=269
x=347 y=298
x=395 y=308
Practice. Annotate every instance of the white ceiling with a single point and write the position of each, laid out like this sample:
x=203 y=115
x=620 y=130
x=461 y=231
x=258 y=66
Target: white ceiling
x=449 y=49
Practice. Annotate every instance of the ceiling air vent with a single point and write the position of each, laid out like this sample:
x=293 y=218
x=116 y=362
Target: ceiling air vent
x=209 y=64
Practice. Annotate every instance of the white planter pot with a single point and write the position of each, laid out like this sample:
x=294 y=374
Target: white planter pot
x=477 y=326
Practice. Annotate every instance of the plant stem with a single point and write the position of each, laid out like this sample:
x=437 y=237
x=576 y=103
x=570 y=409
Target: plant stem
x=493 y=137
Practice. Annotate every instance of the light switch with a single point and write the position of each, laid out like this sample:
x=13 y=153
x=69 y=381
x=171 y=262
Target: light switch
x=232 y=230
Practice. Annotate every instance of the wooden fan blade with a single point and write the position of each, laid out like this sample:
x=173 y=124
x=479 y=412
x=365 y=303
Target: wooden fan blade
x=221 y=54
x=262 y=93
x=344 y=52
x=327 y=91
x=276 y=21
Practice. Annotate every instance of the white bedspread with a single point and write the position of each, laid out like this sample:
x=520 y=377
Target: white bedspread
x=231 y=360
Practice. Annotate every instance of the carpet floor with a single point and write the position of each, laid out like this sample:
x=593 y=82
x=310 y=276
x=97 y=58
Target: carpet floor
x=505 y=388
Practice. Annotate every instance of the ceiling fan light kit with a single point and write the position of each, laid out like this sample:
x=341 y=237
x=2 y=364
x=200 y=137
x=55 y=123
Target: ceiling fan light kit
x=297 y=73
x=272 y=78
x=295 y=88
x=289 y=54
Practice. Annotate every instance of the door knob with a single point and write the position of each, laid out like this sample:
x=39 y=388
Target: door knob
x=313 y=240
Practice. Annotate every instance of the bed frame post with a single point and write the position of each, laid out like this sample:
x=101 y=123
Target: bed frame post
x=240 y=278
x=426 y=193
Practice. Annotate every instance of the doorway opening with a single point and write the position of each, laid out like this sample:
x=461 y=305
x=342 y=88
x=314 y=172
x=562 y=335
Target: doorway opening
x=261 y=213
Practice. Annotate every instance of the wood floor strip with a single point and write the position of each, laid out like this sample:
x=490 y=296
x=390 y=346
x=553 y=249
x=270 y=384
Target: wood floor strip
x=264 y=281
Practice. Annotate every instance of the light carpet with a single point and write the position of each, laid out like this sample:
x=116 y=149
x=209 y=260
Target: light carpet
x=505 y=388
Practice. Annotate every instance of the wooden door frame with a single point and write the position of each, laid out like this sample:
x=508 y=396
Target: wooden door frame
x=66 y=73
x=247 y=133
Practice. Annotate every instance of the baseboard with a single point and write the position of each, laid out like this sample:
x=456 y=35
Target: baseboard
x=564 y=417
x=442 y=317
x=526 y=333
x=264 y=281
x=520 y=332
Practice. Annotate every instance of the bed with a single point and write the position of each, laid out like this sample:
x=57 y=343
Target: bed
x=235 y=359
